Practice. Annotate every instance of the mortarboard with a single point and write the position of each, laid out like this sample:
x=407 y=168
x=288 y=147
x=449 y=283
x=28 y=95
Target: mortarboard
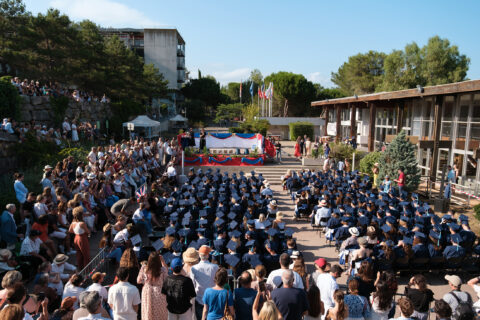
x=408 y=240
x=251 y=222
x=202 y=221
x=183 y=232
x=219 y=222
x=203 y=213
x=389 y=243
x=232 y=245
x=231 y=215
x=219 y=214
x=232 y=260
x=456 y=238
x=235 y=234
x=168 y=257
x=391 y=220
x=272 y=232
x=281 y=225
x=289 y=232
x=219 y=244
x=170 y=231
x=462 y=218
x=420 y=235
x=386 y=228
x=200 y=230
x=434 y=235
x=233 y=225
x=267 y=224
x=250 y=243
x=177 y=246
x=455 y=227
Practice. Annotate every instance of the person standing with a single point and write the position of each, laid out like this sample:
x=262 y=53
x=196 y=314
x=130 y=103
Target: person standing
x=401 y=180
x=152 y=275
x=302 y=145
x=202 y=275
x=8 y=228
x=375 y=171
x=243 y=297
x=179 y=290
x=278 y=148
x=358 y=306
x=124 y=297
x=81 y=231
x=217 y=299
x=275 y=277
x=456 y=295
x=339 y=311
x=21 y=191
x=291 y=302
x=203 y=140
x=308 y=147
x=387 y=185
x=420 y=295
x=74 y=131
x=327 y=283
x=298 y=150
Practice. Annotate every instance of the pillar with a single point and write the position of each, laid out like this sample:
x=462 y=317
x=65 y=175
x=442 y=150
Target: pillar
x=327 y=110
x=338 y=138
x=437 y=121
x=371 y=131
x=353 y=120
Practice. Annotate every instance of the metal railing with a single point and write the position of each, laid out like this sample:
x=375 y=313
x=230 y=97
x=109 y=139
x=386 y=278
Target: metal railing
x=468 y=191
x=98 y=263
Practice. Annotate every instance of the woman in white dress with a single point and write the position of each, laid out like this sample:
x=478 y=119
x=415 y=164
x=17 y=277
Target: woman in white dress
x=381 y=301
x=74 y=131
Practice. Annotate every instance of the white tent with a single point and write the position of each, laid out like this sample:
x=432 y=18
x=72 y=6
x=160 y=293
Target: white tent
x=143 y=124
x=178 y=121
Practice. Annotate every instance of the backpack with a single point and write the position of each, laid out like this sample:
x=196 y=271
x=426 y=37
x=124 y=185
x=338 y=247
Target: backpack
x=464 y=310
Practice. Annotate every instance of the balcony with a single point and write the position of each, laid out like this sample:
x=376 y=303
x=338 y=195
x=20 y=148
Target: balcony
x=180 y=52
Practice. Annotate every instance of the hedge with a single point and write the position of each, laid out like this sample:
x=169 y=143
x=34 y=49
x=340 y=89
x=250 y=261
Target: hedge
x=299 y=129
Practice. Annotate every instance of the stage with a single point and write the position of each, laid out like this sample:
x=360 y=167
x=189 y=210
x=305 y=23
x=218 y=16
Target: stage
x=224 y=160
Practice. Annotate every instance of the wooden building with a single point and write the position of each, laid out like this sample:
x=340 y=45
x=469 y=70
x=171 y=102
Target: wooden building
x=443 y=121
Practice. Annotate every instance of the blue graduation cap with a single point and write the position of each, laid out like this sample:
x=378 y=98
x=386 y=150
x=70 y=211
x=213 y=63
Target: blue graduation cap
x=420 y=235
x=391 y=220
x=403 y=230
x=202 y=221
x=219 y=214
x=219 y=244
x=233 y=225
x=390 y=243
x=408 y=240
x=185 y=221
x=202 y=213
x=435 y=235
x=250 y=203
x=455 y=227
x=386 y=228
x=463 y=218
x=170 y=231
x=281 y=225
x=251 y=222
x=231 y=215
x=232 y=245
x=168 y=257
x=267 y=224
x=447 y=217
x=235 y=234
x=183 y=232
x=177 y=246
x=436 y=219
x=219 y=222
x=272 y=232
x=205 y=201
x=250 y=243
x=289 y=232
x=200 y=230
x=232 y=260
x=456 y=238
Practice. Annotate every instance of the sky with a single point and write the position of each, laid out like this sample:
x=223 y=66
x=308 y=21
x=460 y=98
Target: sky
x=228 y=39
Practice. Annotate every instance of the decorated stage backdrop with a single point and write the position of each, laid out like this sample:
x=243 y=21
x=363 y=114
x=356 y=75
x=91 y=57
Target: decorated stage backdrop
x=232 y=140
x=224 y=160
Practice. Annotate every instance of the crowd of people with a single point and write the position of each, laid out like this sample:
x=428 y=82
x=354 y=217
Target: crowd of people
x=35 y=88
x=216 y=246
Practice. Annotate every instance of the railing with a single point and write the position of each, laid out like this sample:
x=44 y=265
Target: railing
x=98 y=263
x=468 y=191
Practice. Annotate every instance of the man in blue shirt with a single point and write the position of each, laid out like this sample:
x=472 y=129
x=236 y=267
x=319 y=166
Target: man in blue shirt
x=291 y=302
x=8 y=230
x=244 y=297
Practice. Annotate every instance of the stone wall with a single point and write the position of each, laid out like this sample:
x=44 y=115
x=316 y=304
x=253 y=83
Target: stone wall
x=38 y=109
x=8 y=159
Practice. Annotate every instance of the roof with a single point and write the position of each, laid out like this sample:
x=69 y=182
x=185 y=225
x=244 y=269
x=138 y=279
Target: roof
x=451 y=88
x=284 y=121
x=136 y=30
x=178 y=118
x=143 y=122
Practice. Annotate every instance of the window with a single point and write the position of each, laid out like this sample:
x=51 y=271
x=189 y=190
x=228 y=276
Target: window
x=448 y=106
x=446 y=130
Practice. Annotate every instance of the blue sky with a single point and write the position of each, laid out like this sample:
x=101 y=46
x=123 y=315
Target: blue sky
x=227 y=38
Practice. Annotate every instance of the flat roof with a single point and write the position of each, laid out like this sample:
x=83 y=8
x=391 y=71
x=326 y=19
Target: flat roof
x=443 y=89
x=284 y=121
x=136 y=30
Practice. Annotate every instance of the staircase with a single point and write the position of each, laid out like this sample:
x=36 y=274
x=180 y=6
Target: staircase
x=274 y=173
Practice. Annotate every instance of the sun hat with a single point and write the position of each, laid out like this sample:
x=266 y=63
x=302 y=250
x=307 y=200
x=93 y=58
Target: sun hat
x=454 y=280
x=47 y=167
x=97 y=276
x=295 y=254
x=60 y=258
x=370 y=229
x=273 y=202
x=354 y=231
x=190 y=255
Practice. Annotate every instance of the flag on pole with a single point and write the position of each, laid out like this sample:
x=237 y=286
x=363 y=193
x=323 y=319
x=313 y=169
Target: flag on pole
x=263 y=91
x=240 y=90
x=268 y=93
x=251 y=89
x=259 y=92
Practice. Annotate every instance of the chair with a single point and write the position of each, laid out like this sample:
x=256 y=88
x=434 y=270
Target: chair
x=454 y=263
x=420 y=263
x=436 y=263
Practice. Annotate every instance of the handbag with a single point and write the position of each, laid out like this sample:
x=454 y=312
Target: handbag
x=226 y=314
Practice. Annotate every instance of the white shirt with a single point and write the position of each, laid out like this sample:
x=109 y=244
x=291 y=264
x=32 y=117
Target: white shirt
x=122 y=297
x=100 y=289
x=171 y=172
x=97 y=316
x=40 y=209
x=322 y=212
x=92 y=157
x=138 y=215
x=71 y=291
x=327 y=285
x=66 y=126
x=28 y=245
x=60 y=269
x=202 y=275
x=275 y=279
x=121 y=237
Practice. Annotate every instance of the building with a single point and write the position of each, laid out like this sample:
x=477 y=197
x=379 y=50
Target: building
x=443 y=121
x=279 y=126
x=164 y=48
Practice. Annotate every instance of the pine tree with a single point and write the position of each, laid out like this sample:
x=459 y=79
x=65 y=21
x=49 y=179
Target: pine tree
x=400 y=153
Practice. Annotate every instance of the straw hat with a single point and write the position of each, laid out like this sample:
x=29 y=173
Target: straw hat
x=190 y=256
x=354 y=231
x=5 y=254
x=60 y=258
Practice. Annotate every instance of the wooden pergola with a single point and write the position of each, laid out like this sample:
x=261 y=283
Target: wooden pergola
x=396 y=99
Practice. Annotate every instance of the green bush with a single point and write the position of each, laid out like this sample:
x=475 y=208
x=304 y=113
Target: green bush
x=9 y=99
x=254 y=126
x=32 y=152
x=341 y=151
x=366 y=164
x=235 y=130
x=32 y=177
x=299 y=129
x=78 y=153
x=476 y=211
x=59 y=105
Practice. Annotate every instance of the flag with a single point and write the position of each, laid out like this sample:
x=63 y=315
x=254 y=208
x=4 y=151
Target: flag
x=251 y=89
x=268 y=92
x=141 y=192
x=259 y=92
x=240 y=90
x=263 y=91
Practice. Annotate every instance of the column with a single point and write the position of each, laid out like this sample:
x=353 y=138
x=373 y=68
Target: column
x=338 y=138
x=353 y=120
x=400 y=108
x=371 y=131
x=327 y=111
x=437 y=120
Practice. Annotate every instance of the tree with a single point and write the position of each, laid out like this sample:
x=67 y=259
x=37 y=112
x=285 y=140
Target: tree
x=228 y=111
x=327 y=93
x=196 y=109
x=205 y=89
x=9 y=99
x=402 y=69
x=400 y=153
x=256 y=76
x=442 y=63
x=232 y=90
x=296 y=89
x=361 y=74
